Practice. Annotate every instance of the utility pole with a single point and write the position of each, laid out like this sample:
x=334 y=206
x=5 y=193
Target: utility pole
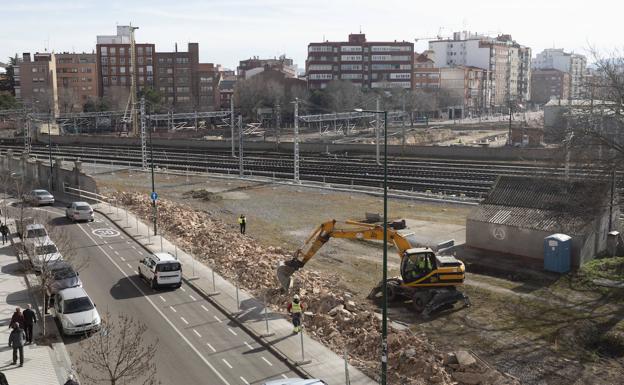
x=240 y=146
x=143 y=138
x=377 y=133
x=154 y=207
x=133 y=89
x=51 y=179
x=509 y=141
x=296 y=143
x=277 y=124
x=232 y=126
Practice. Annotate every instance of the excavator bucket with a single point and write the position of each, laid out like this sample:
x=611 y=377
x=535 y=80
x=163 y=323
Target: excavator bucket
x=284 y=275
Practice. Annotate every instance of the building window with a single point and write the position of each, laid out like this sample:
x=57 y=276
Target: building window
x=351 y=57
x=104 y=51
x=113 y=51
x=148 y=50
x=140 y=51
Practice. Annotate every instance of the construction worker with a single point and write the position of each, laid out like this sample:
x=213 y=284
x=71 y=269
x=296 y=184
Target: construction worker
x=423 y=264
x=242 y=221
x=295 y=309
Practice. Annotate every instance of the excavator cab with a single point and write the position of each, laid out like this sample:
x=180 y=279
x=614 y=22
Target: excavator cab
x=417 y=264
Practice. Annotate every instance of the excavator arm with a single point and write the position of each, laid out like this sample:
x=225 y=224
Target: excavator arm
x=330 y=229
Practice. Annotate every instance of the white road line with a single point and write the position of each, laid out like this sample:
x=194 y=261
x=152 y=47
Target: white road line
x=227 y=363
x=129 y=265
x=116 y=252
x=249 y=346
x=217 y=318
x=173 y=309
x=186 y=340
x=192 y=298
x=267 y=361
x=134 y=247
x=140 y=252
x=183 y=320
x=136 y=272
x=162 y=298
x=210 y=346
x=110 y=247
x=244 y=380
x=205 y=308
x=196 y=332
x=232 y=331
x=122 y=259
x=183 y=289
x=128 y=242
x=285 y=376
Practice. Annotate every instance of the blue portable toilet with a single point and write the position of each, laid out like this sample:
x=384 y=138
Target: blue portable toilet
x=557 y=253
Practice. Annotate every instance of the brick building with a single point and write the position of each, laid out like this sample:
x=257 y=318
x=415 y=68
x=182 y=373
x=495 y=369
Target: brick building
x=77 y=78
x=465 y=90
x=573 y=64
x=368 y=64
x=549 y=84
x=426 y=74
x=113 y=58
x=253 y=66
x=35 y=82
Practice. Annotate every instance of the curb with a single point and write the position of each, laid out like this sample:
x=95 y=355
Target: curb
x=292 y=364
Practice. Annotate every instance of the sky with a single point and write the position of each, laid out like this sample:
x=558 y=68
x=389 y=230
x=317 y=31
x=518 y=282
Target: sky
x=231 y=30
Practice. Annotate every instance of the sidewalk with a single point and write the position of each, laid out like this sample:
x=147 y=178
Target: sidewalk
x=316 y=360
x=43 y=365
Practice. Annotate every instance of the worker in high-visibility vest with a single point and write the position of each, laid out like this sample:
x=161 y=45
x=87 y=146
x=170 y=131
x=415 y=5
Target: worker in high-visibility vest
x=295 y=309
x=242 y=221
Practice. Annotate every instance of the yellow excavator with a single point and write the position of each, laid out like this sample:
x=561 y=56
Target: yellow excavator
x=430 y=281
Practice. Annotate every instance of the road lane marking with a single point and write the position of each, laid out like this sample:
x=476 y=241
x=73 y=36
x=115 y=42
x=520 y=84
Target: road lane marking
x=116 y=252
x=174 y=310
x=210 y=346
x=196 y=332
x=232 y=331
x=227 y=363
x=192 y=298
x=129 y=265
x=110 y=247
x=205 y=308
x=162 y=298
x=244 y=380
x=183 y=289
x=285 y=376
x=149 y=300
x=249 y=346
x=217 y=318
x=267 y=361
x=183 y=320
x=134 y=247
x=122 y=259
x=140 y=252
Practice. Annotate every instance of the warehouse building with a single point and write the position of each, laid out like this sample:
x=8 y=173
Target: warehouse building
x=520 y=212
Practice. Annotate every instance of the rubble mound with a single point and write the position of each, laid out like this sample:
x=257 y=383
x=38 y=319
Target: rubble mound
x=332 y=315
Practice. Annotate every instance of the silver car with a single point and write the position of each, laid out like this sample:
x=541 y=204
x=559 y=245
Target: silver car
x=39 y=197
x=79 y=211
x=296 y=381
x=63 y=276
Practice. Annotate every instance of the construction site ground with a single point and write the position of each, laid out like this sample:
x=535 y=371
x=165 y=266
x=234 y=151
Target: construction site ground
x=538 y=328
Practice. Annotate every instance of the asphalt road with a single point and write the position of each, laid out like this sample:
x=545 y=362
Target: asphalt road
x=197 y=344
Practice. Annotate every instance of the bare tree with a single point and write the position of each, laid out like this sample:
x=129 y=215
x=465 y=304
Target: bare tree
x=119 y=353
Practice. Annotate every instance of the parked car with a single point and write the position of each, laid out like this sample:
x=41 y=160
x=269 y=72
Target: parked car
x=63 y=276
x=39 y=197
x=161 y=269
x=34 y=234
x=296 y=381
x=44 y=255
x=75 y=311
x=79 y=211
x=20 y=225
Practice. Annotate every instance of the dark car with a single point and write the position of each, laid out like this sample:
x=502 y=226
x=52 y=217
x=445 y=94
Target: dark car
x=63 y=276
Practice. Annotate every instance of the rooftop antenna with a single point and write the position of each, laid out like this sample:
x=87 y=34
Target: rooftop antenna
x=360 y=29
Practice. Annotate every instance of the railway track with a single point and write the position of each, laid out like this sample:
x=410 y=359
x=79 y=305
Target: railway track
x=449 y=177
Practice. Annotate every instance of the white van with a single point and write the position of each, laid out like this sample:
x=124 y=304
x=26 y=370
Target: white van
x=75 y=311
x=161 y=269
x=34 y=234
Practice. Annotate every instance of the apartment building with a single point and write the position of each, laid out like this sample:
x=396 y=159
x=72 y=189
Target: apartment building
x=465 y=90
x=114 y=59
x=253 y=66
x=426 y=74
x=36 y=83
x=549 y=84
x=77 y=80
x=507 y=64
x=572 y=63
x=368 y=64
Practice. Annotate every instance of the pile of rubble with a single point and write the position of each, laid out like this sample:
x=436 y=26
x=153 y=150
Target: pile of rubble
x=332 y=315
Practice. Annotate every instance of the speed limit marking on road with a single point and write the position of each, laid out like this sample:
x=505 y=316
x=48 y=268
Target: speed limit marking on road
x=106 y=233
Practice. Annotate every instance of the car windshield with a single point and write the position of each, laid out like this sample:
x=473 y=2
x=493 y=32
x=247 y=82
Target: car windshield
x=35 y=233
x=46 y=249
x=77 y=305
x=170 y=266
x=83 y=208
x=64 y=273
x=42 y=193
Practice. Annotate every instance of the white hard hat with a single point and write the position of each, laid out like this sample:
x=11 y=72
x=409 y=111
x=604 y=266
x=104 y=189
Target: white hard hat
x=296 y=297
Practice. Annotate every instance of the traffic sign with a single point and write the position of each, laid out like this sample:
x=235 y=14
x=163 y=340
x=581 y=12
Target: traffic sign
x=154 y=195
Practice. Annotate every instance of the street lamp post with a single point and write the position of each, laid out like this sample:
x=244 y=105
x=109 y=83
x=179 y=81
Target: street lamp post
x=384 y=287
x=154 y=208
x=51 y=179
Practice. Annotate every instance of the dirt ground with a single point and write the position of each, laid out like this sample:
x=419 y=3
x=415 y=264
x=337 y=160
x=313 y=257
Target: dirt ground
x=542 y=331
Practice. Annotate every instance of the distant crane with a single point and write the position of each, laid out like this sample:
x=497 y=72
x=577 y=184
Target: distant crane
x=437 y=37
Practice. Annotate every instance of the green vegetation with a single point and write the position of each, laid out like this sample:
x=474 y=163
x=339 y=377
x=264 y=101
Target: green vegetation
x=8 y=101
x=607 y=268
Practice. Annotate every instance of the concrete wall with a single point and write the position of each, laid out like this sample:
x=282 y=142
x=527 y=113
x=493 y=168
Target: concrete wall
x=37 y=173
x=476 y=153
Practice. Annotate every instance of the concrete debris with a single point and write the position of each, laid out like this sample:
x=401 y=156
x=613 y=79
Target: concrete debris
x=335 y=318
